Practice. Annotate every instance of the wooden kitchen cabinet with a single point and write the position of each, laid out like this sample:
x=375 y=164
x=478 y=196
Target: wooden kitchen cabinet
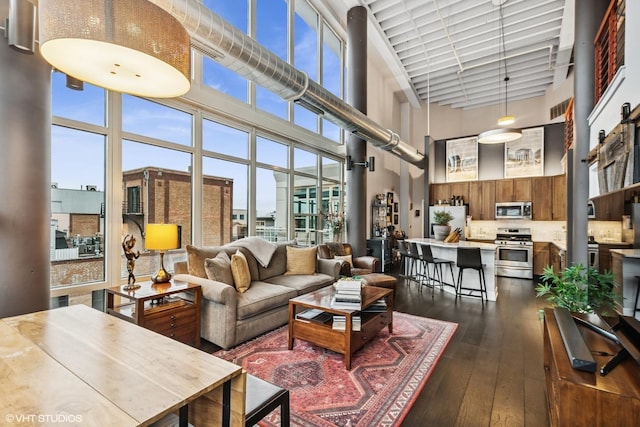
x=549 y=198
x=559 y=203
x=610 y=206
x=541 y=257
x=440 y=192
x=482 y=200
x=542 y=202
x=445 y=191
x=513 y=190
x=555 y=258
x=460 y=189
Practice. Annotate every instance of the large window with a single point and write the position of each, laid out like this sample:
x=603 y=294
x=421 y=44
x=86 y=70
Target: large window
x=305 y=197
x=77 y=207
x=160 y=180
x=306 y=41
x=154 y=120
x=306 y=58
x=223 y=139
x=77 y=184
x=271 y=32
x=218 y=170
x=272 y=189
x=331 y=80
x=215 y=75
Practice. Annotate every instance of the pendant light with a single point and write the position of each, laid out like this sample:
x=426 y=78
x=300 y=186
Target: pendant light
x=501 y=135
x=130 y=46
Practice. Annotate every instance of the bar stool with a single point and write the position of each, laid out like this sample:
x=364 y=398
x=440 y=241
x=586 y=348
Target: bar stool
x=405 y=259
x=419 y=263
x=410 y=262
x=471 y=258
x=437 y=263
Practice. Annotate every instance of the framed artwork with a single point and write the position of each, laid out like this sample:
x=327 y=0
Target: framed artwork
x=395 y=207
x=462 y=159
x=525 y=156
x=389 y=198
x=395 y=219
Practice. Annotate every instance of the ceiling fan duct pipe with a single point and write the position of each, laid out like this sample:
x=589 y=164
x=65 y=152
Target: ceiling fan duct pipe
x=235 y=50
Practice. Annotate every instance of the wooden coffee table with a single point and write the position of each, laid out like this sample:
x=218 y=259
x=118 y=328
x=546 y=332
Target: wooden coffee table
x=320 y=331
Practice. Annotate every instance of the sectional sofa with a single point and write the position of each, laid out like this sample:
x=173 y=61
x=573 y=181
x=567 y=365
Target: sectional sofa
x=236 y=308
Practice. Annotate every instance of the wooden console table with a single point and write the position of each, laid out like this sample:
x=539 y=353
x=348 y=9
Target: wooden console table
x=79 y=366
x=577 y=398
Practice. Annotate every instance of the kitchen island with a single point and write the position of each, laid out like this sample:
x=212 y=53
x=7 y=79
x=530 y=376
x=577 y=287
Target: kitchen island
x=449 y=251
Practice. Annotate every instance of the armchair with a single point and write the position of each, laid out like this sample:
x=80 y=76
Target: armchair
x=359 y=265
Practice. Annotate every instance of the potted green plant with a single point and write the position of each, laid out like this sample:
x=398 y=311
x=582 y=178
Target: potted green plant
x=441 y=227
x=579 y=289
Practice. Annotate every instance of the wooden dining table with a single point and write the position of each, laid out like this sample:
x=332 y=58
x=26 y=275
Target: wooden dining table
x=79 y=366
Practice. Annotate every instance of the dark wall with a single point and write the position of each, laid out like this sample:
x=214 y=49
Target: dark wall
x=491 y=156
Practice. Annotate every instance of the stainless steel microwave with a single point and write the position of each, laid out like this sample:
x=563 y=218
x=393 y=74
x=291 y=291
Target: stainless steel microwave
x=591 y=209
x=513 y=210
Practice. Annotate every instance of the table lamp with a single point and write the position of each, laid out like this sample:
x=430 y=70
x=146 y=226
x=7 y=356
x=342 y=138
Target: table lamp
x=161 y=237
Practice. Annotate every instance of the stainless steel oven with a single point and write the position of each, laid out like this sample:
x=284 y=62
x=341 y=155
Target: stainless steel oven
x=514 y=253
x=593 y=253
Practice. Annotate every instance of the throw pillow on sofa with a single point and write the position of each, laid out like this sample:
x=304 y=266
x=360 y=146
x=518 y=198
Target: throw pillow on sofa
x=240 y=271
x=301 y=260
x=346 y=258
x=219 y=268
x=196 y=257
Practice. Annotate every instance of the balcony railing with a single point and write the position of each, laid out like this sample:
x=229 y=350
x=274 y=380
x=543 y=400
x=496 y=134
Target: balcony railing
x=609 y=47
x=132 y=208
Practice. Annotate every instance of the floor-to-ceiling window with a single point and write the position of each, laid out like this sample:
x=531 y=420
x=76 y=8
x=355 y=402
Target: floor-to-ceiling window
x=216 y=168
x=226 y=154
x=78 y=173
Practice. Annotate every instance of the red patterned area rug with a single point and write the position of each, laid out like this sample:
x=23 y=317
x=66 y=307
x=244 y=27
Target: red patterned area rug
x=386 y=377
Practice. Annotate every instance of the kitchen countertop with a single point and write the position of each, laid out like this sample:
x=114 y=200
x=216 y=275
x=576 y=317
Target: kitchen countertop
x=626 y=253
x=563 y=246
x=461 y=243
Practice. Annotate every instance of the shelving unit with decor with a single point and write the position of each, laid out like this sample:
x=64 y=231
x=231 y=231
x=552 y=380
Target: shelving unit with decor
x=381 y=214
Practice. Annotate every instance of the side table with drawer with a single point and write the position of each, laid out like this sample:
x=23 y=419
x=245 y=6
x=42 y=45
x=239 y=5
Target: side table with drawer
x=171 y=309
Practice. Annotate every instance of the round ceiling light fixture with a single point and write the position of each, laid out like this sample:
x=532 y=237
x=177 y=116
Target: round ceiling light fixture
x=130 y=46
x=499 y=136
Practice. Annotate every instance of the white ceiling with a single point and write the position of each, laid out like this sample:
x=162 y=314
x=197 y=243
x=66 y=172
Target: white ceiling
x=449 y=51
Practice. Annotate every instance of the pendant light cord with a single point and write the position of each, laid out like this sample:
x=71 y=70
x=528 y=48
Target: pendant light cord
x=504 y=59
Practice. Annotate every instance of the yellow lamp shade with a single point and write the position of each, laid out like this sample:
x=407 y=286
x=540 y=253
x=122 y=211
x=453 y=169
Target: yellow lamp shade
x=161 y=237
x=130 y=46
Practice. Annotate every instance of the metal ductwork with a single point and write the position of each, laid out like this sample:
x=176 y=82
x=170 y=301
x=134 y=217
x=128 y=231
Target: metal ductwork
x=235 y=50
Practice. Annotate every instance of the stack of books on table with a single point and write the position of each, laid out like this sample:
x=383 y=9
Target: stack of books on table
x=348 y=295
x=340 y=323
x=377 y=307
x=314 y=315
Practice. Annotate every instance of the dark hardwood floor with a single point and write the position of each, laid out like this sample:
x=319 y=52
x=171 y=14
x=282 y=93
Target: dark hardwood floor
x=491 y=374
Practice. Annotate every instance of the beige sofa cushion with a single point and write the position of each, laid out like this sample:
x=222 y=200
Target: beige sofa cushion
x=240 y=271
x=196 y=257
x=278 y=264
x=301 y=260
x=219 y=268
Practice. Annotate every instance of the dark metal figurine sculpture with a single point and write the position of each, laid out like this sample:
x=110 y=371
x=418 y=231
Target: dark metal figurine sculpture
x=127 y=245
